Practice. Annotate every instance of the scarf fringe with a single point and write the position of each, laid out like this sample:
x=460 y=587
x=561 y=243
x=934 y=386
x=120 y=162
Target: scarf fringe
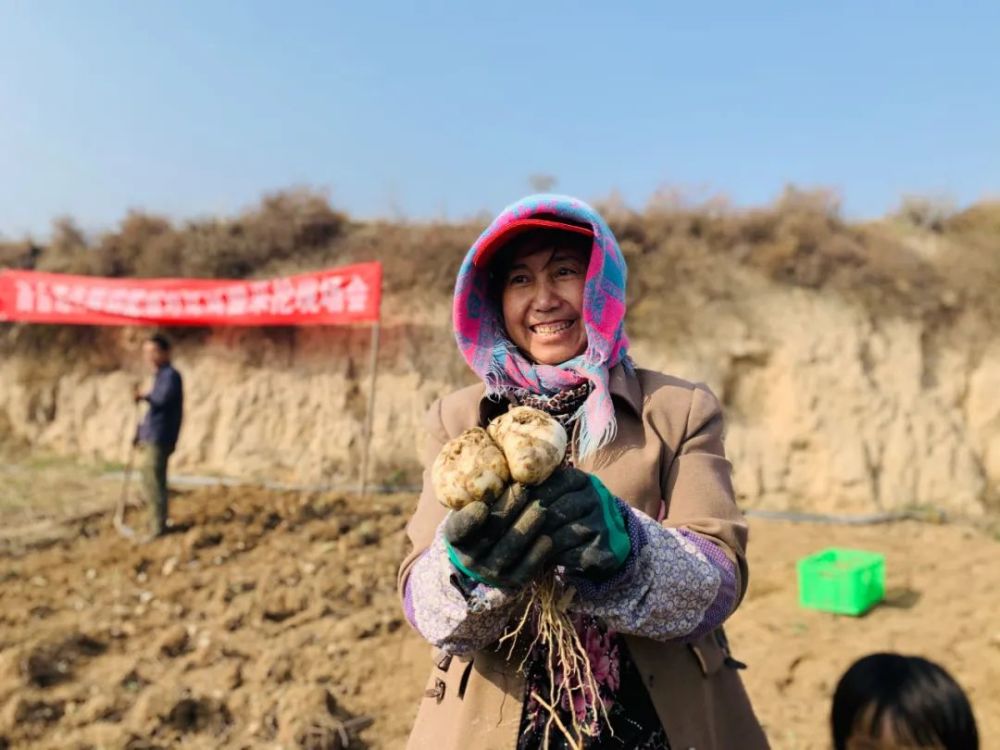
x=587 y=442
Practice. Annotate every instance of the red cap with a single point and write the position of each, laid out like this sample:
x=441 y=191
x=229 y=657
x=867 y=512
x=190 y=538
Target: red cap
x=488 y=249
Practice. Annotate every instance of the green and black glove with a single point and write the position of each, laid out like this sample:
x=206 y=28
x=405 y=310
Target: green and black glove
x=500 y=545
x=585 y=523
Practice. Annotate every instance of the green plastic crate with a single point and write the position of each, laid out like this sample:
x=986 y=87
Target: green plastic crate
x=844 y=581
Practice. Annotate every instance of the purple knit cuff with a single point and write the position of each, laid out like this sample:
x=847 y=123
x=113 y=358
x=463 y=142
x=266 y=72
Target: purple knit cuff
x=443 y=613
x=725 y=599
x=637 y=540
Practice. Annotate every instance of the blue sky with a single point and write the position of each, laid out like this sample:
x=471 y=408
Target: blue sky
x=433 y=109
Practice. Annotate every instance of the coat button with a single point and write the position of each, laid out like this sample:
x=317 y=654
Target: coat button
x=436 y=692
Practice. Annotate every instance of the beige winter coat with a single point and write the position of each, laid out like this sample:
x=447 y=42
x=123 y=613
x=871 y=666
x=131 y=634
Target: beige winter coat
x=668 y=452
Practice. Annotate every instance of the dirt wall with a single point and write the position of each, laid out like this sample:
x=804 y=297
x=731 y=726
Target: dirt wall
x=830 y=407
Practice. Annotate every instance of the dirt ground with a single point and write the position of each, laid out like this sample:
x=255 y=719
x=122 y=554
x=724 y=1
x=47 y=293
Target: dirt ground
x=270 y=620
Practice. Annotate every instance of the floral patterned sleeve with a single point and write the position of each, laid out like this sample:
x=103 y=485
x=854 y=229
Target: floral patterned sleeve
x=674 y=584
x=457 y=618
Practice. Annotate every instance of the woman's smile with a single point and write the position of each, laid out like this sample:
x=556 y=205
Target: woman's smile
x=552 y=330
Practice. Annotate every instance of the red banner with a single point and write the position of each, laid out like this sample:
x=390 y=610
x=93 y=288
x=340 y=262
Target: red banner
x=351 y=294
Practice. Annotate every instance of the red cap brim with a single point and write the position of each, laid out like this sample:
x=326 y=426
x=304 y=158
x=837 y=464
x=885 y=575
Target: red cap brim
x=489 y=248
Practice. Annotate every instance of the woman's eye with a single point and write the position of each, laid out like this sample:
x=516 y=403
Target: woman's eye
x=567 y=271
x=517 y=279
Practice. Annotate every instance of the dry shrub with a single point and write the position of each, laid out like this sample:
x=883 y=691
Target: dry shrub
x=22 y=254
x=43 y=353
x=801 y=241
x=295 y=224
x=981 y=219
x=67 y=251
x=128 y=251
x=925 y=211
x=971 y=259
x=675 y=242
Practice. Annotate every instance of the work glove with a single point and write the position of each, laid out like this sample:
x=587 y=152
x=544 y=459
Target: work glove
x=502 y=544
x=584 y=522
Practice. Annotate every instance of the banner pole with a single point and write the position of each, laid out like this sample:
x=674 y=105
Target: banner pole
x=369 y=415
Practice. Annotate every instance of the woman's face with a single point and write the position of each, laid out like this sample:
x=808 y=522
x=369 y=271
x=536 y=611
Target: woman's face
x=542 y=301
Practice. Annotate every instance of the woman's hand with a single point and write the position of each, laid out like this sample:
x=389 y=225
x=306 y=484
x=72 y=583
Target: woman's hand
x=585 y=524
x=500 y=545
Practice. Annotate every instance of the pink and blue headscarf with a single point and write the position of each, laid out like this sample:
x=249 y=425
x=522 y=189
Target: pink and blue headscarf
x=483 y=340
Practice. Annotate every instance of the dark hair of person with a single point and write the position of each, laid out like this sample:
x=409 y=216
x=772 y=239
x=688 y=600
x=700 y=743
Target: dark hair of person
x=161 y=341
x=917 y=698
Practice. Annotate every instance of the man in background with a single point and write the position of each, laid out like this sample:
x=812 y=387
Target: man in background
x=157 y=434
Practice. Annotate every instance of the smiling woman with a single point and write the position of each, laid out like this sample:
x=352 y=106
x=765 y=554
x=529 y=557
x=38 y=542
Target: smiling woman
x=642 y=539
